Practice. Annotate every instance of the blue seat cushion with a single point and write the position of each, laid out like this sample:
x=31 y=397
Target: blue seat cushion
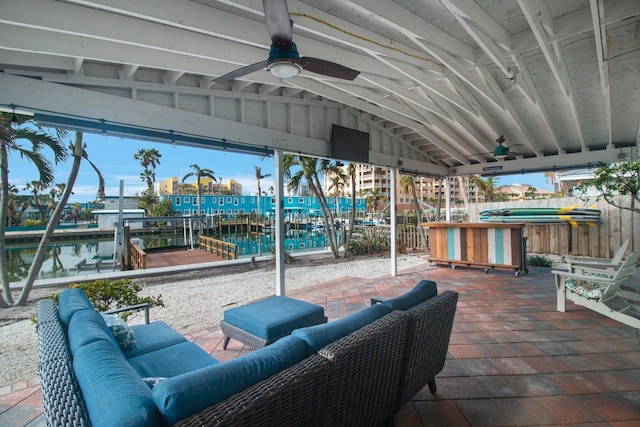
x=424 y=290
x=319 y=336
x=70 y=301
x=184 y=395
x=114 y=393
x=152 y=337
x=274 y=317
x=171 y=361
x=87 y=326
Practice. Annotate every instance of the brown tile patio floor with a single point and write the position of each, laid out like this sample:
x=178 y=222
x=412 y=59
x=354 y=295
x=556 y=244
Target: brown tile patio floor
x=513 y=360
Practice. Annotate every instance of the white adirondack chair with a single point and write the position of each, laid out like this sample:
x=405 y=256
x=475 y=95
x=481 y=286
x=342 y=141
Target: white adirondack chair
x=574 y=262
x=602 y=290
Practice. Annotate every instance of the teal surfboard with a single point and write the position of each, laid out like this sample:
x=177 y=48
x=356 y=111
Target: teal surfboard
x=575 y=211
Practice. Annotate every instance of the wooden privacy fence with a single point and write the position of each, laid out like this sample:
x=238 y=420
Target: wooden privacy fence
x=224 y=249
x=600 y=240
x=408 y=237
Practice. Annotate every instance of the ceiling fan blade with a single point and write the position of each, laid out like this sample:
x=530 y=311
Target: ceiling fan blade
x=241 y=72
x=328 y=68
x=276 y=14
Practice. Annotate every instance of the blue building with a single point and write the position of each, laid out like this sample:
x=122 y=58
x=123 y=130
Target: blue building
x=294 y=206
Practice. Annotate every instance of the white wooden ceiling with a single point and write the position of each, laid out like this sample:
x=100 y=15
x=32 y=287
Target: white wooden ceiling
x=440 y=80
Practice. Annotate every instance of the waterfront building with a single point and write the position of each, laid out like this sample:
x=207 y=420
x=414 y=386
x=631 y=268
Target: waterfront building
x=294 y=206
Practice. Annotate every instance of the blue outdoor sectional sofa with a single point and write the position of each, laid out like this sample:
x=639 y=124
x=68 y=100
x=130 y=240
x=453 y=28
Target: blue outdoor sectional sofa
x=358 y=370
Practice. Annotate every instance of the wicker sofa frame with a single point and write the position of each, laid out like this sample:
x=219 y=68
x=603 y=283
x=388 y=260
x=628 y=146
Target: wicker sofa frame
x=361 y=379
x=247 y=338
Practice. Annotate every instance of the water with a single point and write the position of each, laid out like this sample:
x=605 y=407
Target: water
x=62 y=258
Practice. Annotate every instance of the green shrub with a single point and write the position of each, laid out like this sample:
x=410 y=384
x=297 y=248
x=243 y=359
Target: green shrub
x=31 y=222
x=367 y=245
x=539 y=261
x=106 y=294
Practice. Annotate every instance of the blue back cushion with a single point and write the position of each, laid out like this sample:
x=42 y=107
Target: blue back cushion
x=319 y=336
x=87 y=326
x=72 y=300
x=114 y=393
x=184 y=395
x=424 y=290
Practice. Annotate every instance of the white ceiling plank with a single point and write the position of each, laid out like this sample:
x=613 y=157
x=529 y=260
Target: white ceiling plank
x=486 y=32
x=395 y=15
x=553 y=54
x=601 y=42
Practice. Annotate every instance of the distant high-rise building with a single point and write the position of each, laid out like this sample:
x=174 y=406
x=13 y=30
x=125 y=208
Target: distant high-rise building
x=172 y=186
x=374 y=180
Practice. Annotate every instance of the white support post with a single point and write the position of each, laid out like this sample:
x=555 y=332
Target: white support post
x=280 y=254
x=393 y=230
x=447 y=198
x=119 y=234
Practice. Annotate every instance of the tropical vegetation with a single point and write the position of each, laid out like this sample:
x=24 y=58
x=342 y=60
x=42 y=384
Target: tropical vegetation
x=611 y=181
x=408 y=185
x=199 y=173
x=303 y=169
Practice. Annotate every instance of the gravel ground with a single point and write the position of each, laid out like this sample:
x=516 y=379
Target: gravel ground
x=193 y=301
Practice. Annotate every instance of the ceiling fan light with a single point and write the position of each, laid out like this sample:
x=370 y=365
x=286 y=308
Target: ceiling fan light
x=284 y=69
x=501 y=152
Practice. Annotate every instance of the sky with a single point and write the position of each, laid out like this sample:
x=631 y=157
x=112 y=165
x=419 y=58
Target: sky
x=114 y=157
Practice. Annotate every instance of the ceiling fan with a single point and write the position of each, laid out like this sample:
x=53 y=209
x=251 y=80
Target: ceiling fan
x=284 y=61
x=501 y=152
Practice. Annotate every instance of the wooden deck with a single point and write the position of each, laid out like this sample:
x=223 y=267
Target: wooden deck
x=180 y=257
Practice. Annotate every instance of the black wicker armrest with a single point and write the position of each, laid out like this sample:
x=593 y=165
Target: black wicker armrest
x=144 y=306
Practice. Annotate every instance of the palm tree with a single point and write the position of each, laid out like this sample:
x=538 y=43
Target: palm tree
x=351 y=176
x=149 y=177
x=373 y=199
x=337 y=187
x=55 y=193
x=199 y=173
x=408 y=185
x=259 y=177
x=79 y=153
x=15 y=202
x=488 y=187
x=11 y=142
x=36 y=187
x=149 y=159
x=309 y=170
x=551 y=176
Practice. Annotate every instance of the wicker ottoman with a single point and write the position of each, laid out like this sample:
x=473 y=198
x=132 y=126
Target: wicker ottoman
x=263 y=322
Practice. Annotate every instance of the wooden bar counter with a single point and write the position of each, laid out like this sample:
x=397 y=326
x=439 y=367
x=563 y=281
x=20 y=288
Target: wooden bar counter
x=482 y=245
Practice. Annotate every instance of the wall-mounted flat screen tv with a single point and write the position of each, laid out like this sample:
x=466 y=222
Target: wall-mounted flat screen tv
x=349 y=144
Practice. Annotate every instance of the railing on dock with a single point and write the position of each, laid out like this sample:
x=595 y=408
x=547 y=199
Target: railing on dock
x=224 y=249
x=138 y=257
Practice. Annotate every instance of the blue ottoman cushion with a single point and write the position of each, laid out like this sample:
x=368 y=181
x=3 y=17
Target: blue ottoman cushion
x=274 y=317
